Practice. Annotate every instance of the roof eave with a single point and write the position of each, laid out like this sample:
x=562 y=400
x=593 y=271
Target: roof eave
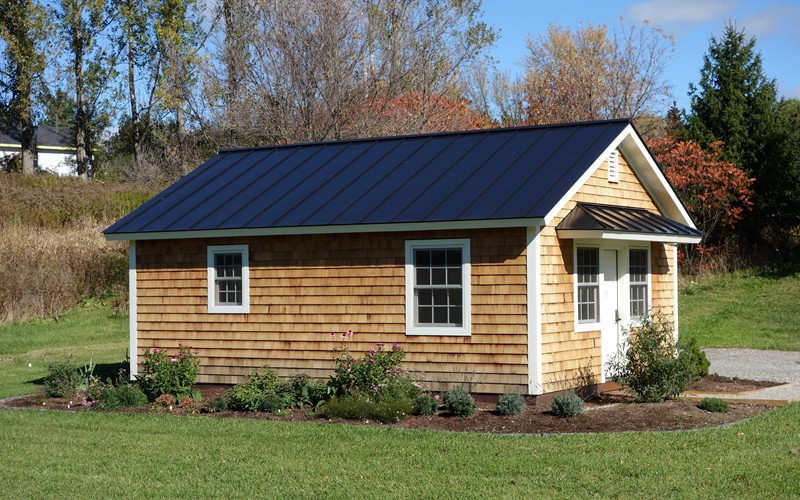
x=332 y=229
x=590 y=234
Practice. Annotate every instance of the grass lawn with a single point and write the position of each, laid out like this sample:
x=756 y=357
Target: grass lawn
x=756 y=310
x=86 y=334
x=95 y=455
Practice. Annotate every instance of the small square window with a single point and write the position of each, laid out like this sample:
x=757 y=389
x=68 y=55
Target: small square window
x=228 y=279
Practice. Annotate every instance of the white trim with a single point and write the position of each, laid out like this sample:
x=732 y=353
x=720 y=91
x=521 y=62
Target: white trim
x=213 y=308
x=599 y=234
x=613 y=167
x=333 y=229
x=132 y=311
x=591 y=326
x=465 y=329
x=533 y=280
x=675 y=288
x=644 y=166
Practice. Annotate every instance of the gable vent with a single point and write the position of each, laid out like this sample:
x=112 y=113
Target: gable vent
x=613 y=166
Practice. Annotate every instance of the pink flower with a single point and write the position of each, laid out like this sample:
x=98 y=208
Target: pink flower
x=396 y=347
x=380 y=344
x=349 y=333
x=332 y=334
x=372 y=351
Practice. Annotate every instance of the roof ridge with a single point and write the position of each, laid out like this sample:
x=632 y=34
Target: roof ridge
x=431 y=134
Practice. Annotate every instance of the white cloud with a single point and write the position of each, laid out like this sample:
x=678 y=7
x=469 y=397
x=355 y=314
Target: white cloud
x=779 y=20
x=687 y=11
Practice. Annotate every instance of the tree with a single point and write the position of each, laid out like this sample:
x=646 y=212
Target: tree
x=22 y=31
x=736 y=103
x=716 y=193
x=595 y=73
x=315 y=70
x=81 y=24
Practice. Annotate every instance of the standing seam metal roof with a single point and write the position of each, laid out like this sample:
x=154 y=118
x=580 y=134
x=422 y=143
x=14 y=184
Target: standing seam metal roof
x=591 y=216
x=495 y=174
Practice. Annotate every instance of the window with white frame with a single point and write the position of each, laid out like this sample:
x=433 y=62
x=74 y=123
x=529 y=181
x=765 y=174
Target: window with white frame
x=228 y=279
x=588 y=272
x=438 y=287
x=638 y=272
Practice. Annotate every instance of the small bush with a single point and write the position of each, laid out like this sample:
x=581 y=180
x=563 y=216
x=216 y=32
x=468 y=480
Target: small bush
x=648 y=363
x=459 y=401
x=262 y=391
x=377 y=374
x=714 y=405
x=63 y=379
x=354 y=406
x=392 y=411
x=306 y=391
x=567 y=404
x=121 y=396
x=218 y=404
x=511 y=404
x=693 y=358
x=425 y=404
x=165 y=374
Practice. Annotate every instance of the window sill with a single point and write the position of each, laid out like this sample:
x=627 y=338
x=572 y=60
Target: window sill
x=587 y=327
x=438 y=331
x=228 y=309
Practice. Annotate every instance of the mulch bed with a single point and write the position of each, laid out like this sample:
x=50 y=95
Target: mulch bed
x=601 y=415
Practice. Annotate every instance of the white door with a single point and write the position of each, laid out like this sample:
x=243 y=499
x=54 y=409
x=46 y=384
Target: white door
x=611 y=333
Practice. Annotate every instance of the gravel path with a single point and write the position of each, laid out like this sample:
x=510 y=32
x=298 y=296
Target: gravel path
x=752 y=364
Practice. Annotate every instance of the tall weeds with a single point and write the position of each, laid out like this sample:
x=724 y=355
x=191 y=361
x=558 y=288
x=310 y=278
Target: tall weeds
x=52 y=251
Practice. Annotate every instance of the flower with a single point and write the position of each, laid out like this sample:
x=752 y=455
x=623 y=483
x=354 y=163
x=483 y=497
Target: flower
x=349 y=333
x=332 y=334
x=372 y=351
x=396 y=347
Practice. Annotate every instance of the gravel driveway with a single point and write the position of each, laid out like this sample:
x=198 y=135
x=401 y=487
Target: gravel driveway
x=752 y=364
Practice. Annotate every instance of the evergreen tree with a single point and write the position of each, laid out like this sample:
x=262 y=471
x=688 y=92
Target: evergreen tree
x=737 y=104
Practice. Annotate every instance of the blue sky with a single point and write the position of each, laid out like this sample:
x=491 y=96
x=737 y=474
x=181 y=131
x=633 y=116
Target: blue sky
x=774 y=24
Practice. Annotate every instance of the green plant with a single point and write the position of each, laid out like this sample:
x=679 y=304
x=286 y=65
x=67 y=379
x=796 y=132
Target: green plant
x=459 y=401
x=63 y=379
x=511 y=404
x=165 y=374
x=648 y=362
x=218 y=404
x=425 y=404
x=354 y=406
x=393 y=410
x=693 y=358
x=377 y=373
x=262 y=391
x=714 y=405
x=306 y=391
x=566 y=404
x=121 y=396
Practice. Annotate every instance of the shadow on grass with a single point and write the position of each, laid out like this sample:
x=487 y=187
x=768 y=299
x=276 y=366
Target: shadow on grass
x=102 y=372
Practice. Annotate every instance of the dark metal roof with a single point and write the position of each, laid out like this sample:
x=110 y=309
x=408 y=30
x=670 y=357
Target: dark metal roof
x=492 y=174
x=45 y=136
x=593 y=217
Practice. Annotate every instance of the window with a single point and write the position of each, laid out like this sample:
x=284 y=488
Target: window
x=588 y=270
x=437 y=287
x=228 y=279
x=637 y=277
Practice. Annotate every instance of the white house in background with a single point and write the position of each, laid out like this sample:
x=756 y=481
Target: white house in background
x=55 y=149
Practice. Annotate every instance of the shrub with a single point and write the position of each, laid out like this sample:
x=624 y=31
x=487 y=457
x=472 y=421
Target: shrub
x=511 y=404
x=566 y=404
x=359 y=406
x=648 y=362
x=392 y=411
x=306 y=391
x=122 y=396
x=459 y=401
x=218 y=404
x=693 y=358
x=425 y=404
x=262 y=391
x=63 y=379
x=377 y=374
x=714 y=405
x=165 y=374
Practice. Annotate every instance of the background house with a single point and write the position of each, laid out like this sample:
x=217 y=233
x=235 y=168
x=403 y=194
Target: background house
x=55 y=149
x=513 y=259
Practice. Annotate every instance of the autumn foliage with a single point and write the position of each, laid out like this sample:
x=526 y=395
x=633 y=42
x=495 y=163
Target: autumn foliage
x=716 y=193
x=426 y=113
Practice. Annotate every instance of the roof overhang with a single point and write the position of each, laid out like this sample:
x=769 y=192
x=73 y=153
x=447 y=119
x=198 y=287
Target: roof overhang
x=609 y=222
x=331 y=229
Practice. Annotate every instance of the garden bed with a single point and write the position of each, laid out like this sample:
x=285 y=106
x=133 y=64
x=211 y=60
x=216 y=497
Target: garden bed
x=601 y=415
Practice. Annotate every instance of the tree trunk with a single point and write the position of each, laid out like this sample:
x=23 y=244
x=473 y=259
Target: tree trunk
x=81 y=159
x=137 y=146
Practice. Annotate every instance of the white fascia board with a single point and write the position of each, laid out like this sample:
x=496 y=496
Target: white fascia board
x=341 y=229
x=598 y=234
x=132 y=308
x=644 y=166
x=533 y=271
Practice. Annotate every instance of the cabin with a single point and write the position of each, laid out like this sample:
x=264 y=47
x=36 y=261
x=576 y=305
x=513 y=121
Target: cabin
x=513 y=259
x=55 y=149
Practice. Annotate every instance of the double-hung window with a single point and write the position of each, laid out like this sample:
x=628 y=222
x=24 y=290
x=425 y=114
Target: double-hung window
x=588 y=272
x=228 y=279
x=637 y=278
x=437 y=287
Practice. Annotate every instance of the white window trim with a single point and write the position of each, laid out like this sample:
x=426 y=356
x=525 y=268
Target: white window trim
x=213 y=308
x=593 y=325
x=465 y=329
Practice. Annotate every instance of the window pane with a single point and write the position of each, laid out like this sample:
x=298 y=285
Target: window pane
x=425 y=315
x=440 y=297
x=422 y=258
x=423 y=276
x=454 y=258
x=438 y=276
x=425 y=297
x=440 y=315
x=454 y=276
x=438 y=258
x=455 y=297
x=456 y=316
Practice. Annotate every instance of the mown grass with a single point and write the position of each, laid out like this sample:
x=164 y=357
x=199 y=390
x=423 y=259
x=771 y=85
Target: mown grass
x=756 y=309
x=89 y=333
x=93 y=455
